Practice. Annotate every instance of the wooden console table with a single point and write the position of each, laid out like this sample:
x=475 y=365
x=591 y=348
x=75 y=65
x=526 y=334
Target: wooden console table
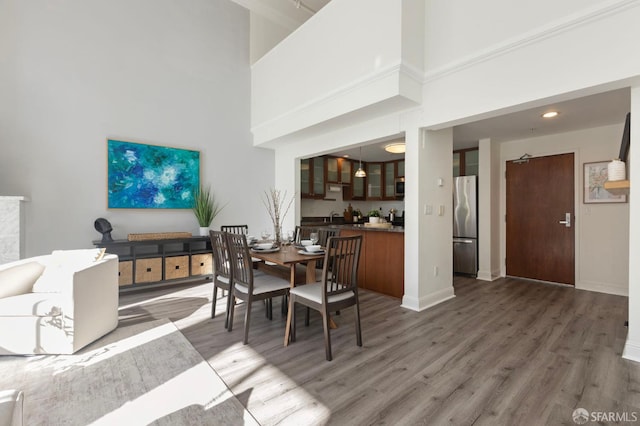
x=151 y=263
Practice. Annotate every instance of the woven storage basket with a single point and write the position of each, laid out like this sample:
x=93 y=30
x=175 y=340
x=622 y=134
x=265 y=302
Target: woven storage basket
x=158 y=236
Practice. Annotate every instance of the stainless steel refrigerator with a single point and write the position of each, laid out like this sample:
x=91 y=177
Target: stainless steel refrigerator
x=465 y=225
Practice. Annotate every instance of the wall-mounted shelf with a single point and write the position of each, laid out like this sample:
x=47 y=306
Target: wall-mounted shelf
x=618 y=187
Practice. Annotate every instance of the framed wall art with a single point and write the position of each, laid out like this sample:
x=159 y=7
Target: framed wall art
x=595 y=175
x=141 y=176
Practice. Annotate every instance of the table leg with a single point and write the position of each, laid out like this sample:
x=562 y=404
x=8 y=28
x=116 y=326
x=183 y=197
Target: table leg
x=292 y=283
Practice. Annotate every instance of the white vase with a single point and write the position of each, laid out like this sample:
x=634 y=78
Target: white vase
x=204 y=231
x=374 y=219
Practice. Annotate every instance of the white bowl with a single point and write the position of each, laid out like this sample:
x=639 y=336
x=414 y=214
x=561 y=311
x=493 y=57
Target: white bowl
x=305 y=242
x=313 y=248
x=264 y=246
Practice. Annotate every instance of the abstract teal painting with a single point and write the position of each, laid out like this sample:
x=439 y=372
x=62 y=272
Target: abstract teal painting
x=144 y=176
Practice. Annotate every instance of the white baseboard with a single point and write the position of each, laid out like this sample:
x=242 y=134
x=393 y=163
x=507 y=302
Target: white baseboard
x=427 y=301
x=602 y=288
x=488 y=275
x=631 y=351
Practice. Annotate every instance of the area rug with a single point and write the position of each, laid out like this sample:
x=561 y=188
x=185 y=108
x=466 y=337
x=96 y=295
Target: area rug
x=146 y=373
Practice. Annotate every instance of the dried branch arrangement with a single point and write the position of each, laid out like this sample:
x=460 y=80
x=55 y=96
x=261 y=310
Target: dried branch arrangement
x=274 y=201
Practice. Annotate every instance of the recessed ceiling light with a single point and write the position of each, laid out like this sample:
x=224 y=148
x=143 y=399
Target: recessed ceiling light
x=550 y=114
x=346 y=156
x=395 y=148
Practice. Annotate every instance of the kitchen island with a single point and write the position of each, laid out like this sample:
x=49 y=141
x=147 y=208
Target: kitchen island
x=381 y=258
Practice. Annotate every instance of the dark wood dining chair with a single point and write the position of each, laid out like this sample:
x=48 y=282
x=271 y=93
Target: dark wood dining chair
x=338 y=288
x=324 y=233
x=248 y=286
x=302 y=233
x=222 y=271
x=235 y=229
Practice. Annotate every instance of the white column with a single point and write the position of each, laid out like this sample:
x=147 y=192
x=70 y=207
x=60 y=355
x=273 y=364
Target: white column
x=11 y=228
x=488 y=210
x=287 y=178
x=428 y=225
x=632 y=347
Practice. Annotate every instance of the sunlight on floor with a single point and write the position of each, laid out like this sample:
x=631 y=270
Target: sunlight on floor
x=294 y=404
x=105 y=352
x=201 y=388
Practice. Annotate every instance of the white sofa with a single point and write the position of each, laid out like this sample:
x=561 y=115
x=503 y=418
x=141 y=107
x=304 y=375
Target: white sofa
x=11 y=408
x=58 y=303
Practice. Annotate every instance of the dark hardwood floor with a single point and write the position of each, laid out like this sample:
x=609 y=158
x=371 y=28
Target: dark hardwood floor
x=508 y=352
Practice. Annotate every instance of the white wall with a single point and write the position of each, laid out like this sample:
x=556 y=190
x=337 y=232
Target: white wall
x=602 y=238
x=489 y=23
x=75 y=73
x=632 y=346
x=577 y=54
x=349 y=64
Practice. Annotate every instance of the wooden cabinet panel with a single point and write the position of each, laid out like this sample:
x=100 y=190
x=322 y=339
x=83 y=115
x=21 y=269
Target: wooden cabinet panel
x=465 y=162
x=381 y=266
x=333 y=168
x=374 y=181
x=390 y=180
x=148 y=270
x=385 y=262
x=346 y=171
x=176 y=267
x=400 y=168
x=125 y=272
x=312 y=178
x=201 y=264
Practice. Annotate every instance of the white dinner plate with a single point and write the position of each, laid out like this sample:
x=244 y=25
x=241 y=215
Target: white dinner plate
x=271 y=250
x=311 y=252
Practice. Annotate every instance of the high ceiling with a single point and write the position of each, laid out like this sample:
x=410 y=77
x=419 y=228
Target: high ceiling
x=575 y=114
x=288 y=14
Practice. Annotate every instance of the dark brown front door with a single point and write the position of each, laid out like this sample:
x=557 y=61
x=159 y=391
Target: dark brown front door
x=540 y=194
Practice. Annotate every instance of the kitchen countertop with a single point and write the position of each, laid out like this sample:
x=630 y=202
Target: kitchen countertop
x=361 y=227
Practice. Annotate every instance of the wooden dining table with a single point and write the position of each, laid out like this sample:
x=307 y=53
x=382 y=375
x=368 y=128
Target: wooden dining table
x=289 y=257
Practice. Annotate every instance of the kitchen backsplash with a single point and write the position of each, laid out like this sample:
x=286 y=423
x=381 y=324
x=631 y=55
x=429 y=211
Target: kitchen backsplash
x=325 y=207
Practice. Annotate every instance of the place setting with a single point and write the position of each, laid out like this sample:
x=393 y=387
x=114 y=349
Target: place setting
x=310 y=246
x=265 y=245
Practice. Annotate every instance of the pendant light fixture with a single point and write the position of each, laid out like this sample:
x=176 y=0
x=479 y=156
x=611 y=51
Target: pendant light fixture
x=360 y=173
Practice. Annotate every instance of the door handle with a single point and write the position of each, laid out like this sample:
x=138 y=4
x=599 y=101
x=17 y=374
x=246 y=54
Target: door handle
x=463 y=241
x=567 y=220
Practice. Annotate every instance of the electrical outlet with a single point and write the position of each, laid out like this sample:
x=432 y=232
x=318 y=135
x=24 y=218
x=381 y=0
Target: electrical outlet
x=428 y=209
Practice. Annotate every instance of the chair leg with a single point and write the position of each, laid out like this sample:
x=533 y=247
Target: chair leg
x=358 y=329
x=327 y=336
x=292 y=309
x=270 y=309
x=226 y=320
x=306 y=317
x=247 y=319
x=283 y=306
x=232 y=305
x=213 y=303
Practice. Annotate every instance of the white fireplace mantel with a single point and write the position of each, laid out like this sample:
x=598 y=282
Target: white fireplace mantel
x=11 y=228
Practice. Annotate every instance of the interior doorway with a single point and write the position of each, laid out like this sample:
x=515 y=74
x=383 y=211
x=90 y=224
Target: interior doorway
x=540 y=231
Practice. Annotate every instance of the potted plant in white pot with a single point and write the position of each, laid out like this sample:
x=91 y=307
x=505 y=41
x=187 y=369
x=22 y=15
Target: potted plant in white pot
x=205 y=208
x=374 y=216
